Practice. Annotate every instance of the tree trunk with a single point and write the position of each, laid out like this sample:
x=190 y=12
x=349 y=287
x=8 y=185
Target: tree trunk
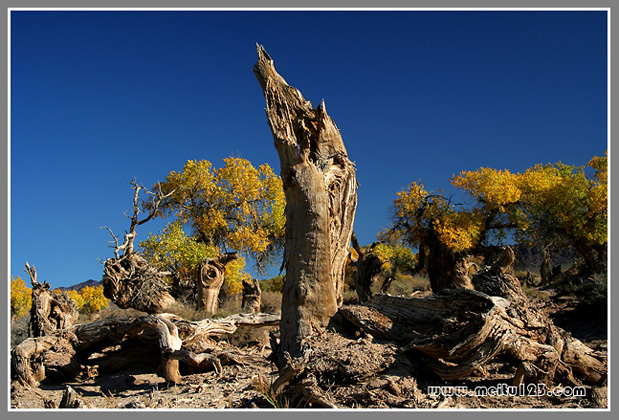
x=251 y=296
x=446 y=269
x=49 y=312
x=321 y=197
x=210 y=279
x=369 y=266
x=545 y=270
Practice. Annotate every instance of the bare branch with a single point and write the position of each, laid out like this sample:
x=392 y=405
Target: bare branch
x=116 y=247
x=32 y=272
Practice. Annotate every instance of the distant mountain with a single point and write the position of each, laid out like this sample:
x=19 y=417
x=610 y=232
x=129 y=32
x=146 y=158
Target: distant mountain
x=80 y=286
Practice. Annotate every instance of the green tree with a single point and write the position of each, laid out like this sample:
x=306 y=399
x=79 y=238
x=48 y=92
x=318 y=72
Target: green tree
x=236 y=207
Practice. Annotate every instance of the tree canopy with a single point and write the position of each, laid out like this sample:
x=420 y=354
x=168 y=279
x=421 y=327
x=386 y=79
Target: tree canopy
x=238 y=206
x=555 y=204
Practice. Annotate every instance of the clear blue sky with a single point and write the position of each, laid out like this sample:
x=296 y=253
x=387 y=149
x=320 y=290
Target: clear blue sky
x=98 y=98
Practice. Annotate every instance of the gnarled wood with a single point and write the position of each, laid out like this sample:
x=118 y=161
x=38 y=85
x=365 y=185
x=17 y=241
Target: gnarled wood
x=65 y=353
x=210 y=279
x=461 y=330
x=49 y=312
x=130 y=282
x=321 y=198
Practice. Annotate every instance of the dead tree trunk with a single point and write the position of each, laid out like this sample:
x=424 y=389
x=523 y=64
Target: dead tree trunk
x=321 y=198
x=446 y=268
x=49 y=312
x=369 y=266
x=251 y=296
x=210 y=279
x=545 y=270
x=461 y=330
x=162 y=339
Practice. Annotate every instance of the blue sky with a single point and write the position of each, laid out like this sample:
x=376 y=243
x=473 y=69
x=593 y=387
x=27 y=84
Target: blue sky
x=101 y=97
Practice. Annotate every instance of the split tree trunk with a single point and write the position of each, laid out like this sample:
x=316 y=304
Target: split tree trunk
x=321 y=198
x=210 y=279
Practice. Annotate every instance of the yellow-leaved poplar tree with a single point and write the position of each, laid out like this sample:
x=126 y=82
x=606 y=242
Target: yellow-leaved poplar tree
x=21 y=298
x=237 y=207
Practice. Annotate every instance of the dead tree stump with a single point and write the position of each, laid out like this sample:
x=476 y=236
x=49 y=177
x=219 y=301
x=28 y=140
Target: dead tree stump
x=210 y=279
x=320 y=186
x=50 y=311
x=251 y=296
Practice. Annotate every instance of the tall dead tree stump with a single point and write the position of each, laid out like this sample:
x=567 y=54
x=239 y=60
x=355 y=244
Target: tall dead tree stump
x=320 y=186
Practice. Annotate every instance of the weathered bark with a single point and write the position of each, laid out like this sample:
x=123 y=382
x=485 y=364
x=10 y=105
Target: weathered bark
x=320 y=187
x=251 y=296
x=461 y=330
x=66 y=353
x=49 y=312
x=32 y=356
x=210 y=279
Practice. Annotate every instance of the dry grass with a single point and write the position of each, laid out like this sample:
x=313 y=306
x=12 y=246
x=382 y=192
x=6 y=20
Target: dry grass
x=271 y=302
x=19 y=330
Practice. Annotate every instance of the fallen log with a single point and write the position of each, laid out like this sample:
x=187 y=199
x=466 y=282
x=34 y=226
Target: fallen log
x=461 y=330
x=66 y=353
x=28 y=361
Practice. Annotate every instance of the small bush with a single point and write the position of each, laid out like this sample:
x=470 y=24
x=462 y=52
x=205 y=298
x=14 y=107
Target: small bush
x=273 y=285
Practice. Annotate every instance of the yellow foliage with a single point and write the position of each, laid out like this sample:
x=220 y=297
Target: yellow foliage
x=234 y=276
x=554 y=199
x=21 y=297
x=494 y=188
x=90 y=299
x=236 y=207
x=459 y=230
